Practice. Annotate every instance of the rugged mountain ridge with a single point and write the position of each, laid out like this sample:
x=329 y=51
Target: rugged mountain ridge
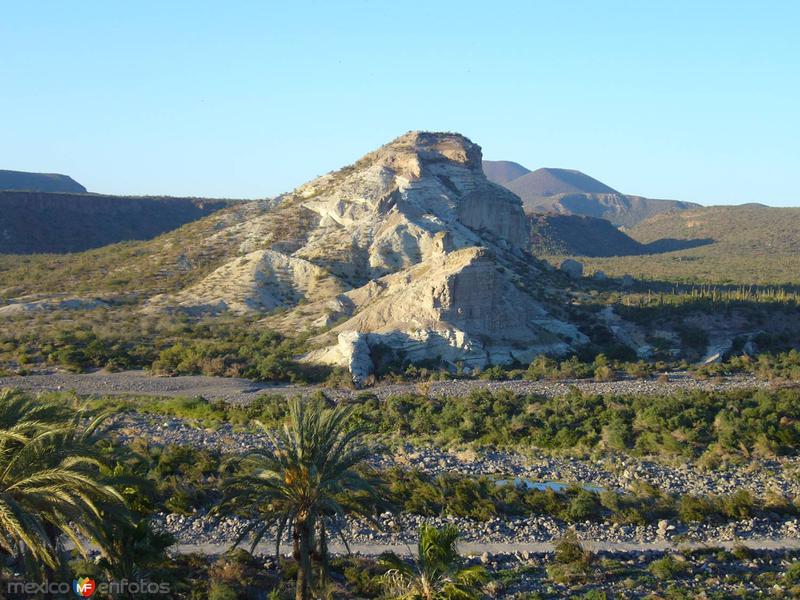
x=620 y=209
x=33 y=222
x=411 y=252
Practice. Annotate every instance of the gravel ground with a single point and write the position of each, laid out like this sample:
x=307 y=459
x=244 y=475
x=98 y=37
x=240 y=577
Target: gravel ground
x=243 y=391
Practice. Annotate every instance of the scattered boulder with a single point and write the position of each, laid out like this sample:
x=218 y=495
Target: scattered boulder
x=573 y=268
x=259 y=281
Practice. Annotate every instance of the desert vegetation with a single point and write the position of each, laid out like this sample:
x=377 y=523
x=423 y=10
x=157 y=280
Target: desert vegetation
x=316 y=468
x=691 y=424
x=117 y=340
x=736 y=245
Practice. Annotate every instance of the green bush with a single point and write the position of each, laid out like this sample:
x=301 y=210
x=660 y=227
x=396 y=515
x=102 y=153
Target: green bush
x=568 y=548
x=792 y=574
x=583 y=506
x=687 y=424
x=694 y=509
x=571 y=563
x=604 y=373
x=738 y=506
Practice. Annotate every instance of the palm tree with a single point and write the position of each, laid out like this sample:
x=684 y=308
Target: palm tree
x=437 y=573
x=314 y=474
x=49 y=482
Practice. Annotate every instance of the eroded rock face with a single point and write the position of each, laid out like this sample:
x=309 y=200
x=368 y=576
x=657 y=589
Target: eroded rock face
x=384 y=213
x=419 y=196
x=458 y=307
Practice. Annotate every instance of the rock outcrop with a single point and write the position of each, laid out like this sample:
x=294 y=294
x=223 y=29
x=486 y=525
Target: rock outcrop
x=32 y=305
x=386 y=212
x=455 y=307
x=410 y=253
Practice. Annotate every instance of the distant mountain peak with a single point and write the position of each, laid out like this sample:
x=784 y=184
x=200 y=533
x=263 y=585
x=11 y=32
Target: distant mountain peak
x=549 y=181
x=503 y=171
x=572 y=192
x=39 y=182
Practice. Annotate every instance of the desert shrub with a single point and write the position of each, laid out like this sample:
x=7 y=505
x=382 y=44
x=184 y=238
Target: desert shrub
x=667 y=568
x=568 y=548
x=362 y=575
x=583 y=506
x=541 y=367
x=222 y=591
x=604 y=373
x=695 y=509
x=184 y=501
x=639 y=369
x=737 y=506
x=690 y=424
x=494 y=373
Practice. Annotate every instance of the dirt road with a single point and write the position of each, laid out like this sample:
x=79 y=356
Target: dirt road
x=467 y=548
x=243 y=391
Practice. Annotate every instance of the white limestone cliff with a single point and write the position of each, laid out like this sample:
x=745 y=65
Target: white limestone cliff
x=411 y=251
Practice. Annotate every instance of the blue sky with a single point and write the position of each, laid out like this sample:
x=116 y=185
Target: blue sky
x=689 y=100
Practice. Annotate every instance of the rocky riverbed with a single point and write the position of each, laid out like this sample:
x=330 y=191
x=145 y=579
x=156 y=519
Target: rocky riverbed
x=615 y=473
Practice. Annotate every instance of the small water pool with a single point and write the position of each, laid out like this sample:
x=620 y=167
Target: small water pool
x=542 y=486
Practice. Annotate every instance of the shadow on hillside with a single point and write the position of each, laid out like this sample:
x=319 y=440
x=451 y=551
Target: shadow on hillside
x=673 y=245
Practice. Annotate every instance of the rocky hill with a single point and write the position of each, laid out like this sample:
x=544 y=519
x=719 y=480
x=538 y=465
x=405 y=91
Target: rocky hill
x=744 y=226
x=622 y=210
x=39 y=182
x=32 y=222
x=570 y=192
x=410 y=252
